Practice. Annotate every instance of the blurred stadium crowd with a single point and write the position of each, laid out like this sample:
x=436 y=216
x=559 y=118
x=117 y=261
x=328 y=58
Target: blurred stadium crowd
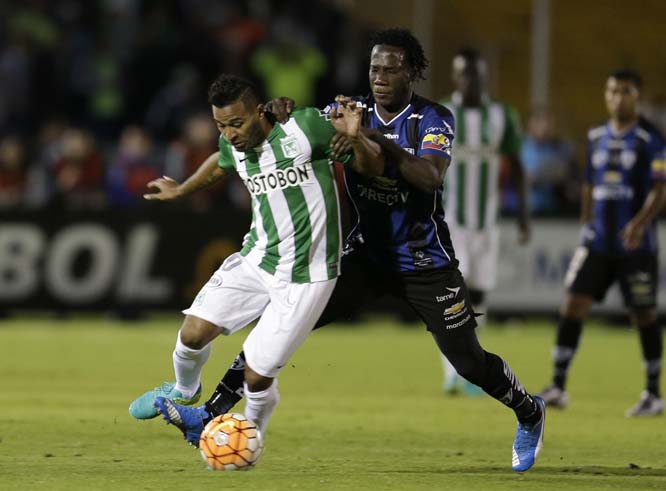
x=97 y=98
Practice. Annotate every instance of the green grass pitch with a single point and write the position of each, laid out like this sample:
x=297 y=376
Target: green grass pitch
x=361 y=409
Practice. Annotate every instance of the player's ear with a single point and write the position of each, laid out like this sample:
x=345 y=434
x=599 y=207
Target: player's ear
x=261 y=110
x=412 y=75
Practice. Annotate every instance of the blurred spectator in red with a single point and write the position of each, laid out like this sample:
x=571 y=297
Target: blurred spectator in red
x=77 y=172
x=134 y=165
x=238 y=36
x=12 y=171
x=550 y=166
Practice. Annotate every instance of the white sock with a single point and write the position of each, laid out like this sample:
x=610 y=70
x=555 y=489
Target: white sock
x=187 y=363
x=260 y=405
x=450 y=373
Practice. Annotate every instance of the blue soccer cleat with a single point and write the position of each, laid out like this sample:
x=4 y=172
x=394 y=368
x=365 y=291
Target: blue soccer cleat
x=529 y=441
x=143 y=407
x=189 y=420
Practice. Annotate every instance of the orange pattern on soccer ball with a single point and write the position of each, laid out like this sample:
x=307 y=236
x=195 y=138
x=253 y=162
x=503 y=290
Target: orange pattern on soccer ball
x=231 y=442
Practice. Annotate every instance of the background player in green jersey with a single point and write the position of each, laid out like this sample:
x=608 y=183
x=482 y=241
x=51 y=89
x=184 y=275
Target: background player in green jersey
x=290 y=260
x=487 y=132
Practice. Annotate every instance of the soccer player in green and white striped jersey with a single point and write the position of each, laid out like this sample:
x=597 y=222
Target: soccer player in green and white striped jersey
x=487 y=132
x=289 y=263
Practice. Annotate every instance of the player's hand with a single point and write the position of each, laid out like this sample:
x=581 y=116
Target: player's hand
x=280 y=108
x=165 y=189
x=340 y=145
x=632 y=235
x=346 y=117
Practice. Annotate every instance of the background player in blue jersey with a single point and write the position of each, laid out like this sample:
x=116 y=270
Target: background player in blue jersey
x=400 y=244
x=623 y=193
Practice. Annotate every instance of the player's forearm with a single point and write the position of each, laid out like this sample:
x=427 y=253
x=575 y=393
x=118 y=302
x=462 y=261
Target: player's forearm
x=419 y=172
x=368 y=157
x=207 y=174
x=654 y=203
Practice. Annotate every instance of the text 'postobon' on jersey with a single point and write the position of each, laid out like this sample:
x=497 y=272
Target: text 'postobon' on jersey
x=621 y=169
x=471 y=187
x=402 y=227
x=295 y=232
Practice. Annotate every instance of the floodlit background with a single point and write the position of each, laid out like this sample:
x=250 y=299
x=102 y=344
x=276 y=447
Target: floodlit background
x=98 y=97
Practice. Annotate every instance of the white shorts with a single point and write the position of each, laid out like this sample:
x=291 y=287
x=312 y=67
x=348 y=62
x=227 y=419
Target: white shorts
x=239 y=292
x=478 y=253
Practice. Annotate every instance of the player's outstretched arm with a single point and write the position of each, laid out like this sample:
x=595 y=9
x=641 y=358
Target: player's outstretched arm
x=632 y=234
x=368 y=157
x=168 y=189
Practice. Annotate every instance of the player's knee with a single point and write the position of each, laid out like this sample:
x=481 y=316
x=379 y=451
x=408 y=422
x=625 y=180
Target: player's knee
x=256 y=382
x=197 y=333
x=468 y=367
x=576 y=307
x=644 y=317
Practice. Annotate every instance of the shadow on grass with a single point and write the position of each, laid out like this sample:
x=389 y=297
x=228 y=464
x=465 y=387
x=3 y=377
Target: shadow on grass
x=590 y=470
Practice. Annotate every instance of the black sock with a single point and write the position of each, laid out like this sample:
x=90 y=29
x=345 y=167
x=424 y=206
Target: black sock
x=229 y=391
x=502 y=384
x=652 y=346
x=568 y=336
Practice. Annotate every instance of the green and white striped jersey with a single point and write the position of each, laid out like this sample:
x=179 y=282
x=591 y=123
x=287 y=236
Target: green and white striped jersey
x=471 y=187
x=295 y=233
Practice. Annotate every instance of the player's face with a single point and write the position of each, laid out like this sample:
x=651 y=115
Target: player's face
x=468 y=76
x=240 y=124
x=621 y=99
x=390 y=77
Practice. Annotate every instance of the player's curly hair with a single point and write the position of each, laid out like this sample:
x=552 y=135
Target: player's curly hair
x=229 y=88
x=403 y=38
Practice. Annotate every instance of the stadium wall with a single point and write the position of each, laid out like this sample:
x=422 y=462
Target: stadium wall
x=150 y=260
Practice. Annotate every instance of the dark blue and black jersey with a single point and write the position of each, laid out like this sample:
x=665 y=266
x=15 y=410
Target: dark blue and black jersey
x=621 y=169
x=403 y=227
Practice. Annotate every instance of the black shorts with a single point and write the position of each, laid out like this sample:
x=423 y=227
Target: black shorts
x=591 y=273
x=438 y=296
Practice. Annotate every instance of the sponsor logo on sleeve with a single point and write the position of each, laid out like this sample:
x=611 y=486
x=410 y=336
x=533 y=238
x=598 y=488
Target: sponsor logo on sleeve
x=436 y=141
x=659 y=168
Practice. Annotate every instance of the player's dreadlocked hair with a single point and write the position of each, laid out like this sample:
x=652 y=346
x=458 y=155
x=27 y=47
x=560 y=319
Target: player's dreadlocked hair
x=627 y=75
x=228 y=89
x=403 y=38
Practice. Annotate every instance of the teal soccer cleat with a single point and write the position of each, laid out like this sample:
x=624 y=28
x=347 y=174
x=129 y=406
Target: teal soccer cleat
x=529 y=441
x=144 y=406
x=189 y=420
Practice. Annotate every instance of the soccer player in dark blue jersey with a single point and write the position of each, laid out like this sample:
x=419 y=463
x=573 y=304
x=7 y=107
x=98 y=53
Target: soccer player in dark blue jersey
x=624 y=190
x=400 y=244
